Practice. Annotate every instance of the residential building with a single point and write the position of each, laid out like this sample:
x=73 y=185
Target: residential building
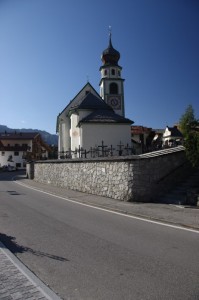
x=172 y=137
x=17 y=148
x=141 y=137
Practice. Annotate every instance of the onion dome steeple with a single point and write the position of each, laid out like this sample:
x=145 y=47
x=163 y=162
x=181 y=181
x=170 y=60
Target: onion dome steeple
x=112 y=83
x=110 y=56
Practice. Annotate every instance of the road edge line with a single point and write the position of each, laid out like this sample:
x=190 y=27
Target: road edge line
x=117 y=212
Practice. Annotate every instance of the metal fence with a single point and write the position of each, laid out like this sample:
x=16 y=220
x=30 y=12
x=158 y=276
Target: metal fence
x=98 y=151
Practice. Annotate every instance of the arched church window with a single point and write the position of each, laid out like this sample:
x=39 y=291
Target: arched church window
x=113 y=88
x=105 y=72
x=112 y=71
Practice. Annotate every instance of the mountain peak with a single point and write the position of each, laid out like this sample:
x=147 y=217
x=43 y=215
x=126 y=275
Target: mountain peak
x=50 y=139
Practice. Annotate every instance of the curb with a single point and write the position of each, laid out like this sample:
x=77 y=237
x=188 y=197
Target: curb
x=117 y=210
x=125 y=212
x=44 y=289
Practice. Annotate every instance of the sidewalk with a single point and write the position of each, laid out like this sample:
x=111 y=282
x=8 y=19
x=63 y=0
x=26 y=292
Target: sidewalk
x=18 y=283
x=186 y=216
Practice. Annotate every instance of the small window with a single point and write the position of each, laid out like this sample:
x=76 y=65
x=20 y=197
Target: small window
x=18 y=165
x=119 y=73
x=16 y=153
x=2 y=153
x=113 y=71
x=113 y=88
x=105 y=72
x=16 y=145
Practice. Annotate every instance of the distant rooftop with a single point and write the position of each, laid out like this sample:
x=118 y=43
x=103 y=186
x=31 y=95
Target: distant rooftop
x=18 y=135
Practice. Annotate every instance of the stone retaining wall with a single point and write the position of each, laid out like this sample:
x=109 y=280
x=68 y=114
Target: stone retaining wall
x=132 y=178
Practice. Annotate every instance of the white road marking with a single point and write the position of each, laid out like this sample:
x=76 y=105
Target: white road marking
x=111 y=211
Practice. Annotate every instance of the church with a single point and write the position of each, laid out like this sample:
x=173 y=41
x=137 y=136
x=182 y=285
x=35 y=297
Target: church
x=93 y=123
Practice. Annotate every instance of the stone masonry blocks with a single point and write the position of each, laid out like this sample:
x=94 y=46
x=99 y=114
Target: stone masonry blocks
x=133 y=178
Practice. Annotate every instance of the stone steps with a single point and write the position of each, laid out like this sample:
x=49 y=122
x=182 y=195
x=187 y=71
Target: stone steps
x=172 y=198
x=185 y=193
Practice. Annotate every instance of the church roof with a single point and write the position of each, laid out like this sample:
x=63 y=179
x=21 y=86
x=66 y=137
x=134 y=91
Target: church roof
x=110 y=56
x=105 y=116
x=87 y=86
x=90 y=101
x=74 y=103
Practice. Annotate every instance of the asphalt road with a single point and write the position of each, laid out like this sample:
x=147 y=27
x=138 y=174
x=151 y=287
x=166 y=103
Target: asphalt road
x=89 y=254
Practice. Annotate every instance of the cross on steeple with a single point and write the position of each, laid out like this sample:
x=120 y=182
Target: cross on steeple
x=110 y=28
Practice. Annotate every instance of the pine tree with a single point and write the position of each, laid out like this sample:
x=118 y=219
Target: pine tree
x=186 y=120
x=188 y=125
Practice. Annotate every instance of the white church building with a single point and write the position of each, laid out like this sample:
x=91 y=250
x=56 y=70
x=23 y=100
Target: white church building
x=93 y=123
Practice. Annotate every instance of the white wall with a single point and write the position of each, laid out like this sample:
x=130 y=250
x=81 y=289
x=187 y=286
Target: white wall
x=16 y=159
x=74 y=132
x=65 y=132
x=167 y=133
x=111 y=134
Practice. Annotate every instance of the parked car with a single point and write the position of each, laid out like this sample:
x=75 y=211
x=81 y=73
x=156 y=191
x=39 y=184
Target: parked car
x=8 y=168
x=11 y=168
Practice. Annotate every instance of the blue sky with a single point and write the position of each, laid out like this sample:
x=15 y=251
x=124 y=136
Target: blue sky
x=50 y=48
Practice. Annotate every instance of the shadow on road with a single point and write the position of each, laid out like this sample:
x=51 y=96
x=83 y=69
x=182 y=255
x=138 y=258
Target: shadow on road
x=10 y=176
x=9 y=242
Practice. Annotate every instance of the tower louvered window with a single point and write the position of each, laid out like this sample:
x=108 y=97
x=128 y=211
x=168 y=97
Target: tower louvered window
x=113 y=88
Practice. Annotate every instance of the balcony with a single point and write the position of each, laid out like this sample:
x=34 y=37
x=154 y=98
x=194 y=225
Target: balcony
x=15 y=148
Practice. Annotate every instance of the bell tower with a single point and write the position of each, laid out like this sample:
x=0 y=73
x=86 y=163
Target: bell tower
x=111 y=83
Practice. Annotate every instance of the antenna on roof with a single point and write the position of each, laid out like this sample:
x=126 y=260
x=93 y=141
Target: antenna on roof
x=87 y=78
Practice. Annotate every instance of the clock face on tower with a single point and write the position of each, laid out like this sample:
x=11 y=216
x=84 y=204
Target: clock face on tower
x=114 y=102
